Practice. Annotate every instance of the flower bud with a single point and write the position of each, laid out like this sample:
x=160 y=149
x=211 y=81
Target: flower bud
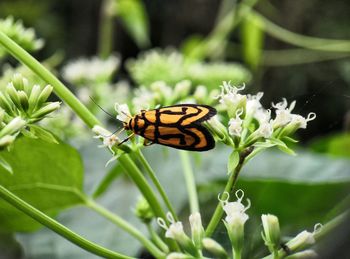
x=271 y=233
x=6 y=104
x=306 y=254
x=46 y=110
x=19 y=82
x=143 y=211
x=13 y=126
x=12 y=93
x=45 y=93
x=214 y=247
x=178 y=256
x=23 y=98
x=302 y=240
x=6 y=140
x=33 y=98
x=217 y=128
x=197 y=229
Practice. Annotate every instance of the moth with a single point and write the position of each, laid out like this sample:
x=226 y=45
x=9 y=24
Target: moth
x=177 y=126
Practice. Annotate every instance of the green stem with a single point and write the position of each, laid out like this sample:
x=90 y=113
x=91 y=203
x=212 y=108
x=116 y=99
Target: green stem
x=228 y=188
x=156 y=182
x=190 y=181
x=135 y=174
x=156 y=239
x=105 y=40
x=236 y=254
x=125 y=226
x=302 y=40
x=56 y=226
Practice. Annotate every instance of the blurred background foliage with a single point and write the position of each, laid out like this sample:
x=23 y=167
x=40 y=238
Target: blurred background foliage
x=283 y=48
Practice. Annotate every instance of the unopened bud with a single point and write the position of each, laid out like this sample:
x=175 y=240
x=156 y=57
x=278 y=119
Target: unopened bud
x=45 y=93
x=197 y=229
x=33 y=98
x=14 y=125
x=46 y=110
x=6 y=140
x=214 y=247
x=271 y=233
x=143 y=211
x=12 y=93
x=302 y=240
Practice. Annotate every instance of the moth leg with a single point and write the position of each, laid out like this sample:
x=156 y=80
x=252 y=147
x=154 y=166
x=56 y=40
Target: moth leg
x=147 y=143
x=126 y=139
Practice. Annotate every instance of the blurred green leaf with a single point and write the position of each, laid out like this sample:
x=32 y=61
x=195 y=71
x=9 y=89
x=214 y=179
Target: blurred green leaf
x=252 y=40
x=335 y=145
x=48 y=176
x=135 y=20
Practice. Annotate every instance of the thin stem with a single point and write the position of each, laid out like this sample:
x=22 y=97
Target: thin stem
x=125 y=226
x=190 y=181
x=105 y=39
x=302 y=40
x=228 y=188
x=156 y=239
x=156 y=182
x=56 y=226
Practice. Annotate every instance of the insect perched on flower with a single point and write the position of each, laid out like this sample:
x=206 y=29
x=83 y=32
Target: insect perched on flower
x=178 y=126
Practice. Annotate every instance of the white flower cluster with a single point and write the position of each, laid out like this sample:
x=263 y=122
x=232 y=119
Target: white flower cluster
x=159 y=93
x=249 y=121
x=90 y=70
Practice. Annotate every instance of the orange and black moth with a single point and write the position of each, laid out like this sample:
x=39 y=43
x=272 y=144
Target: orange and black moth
x=176 y=126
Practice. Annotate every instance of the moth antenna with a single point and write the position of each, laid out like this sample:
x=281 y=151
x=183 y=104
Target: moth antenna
x=126 y=114
x=102 y=109
x=126 y=139
x=117 y=132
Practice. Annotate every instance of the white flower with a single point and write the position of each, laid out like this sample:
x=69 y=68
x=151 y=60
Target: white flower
x=175 y=231
x=265 y=130
x=253 y=103
x=93 y=69
x=262 y=115
x=123 y=112
x=109 y=140
x=84 y=94
x=300 y=121
x=235 y=211
x=13 y=127
x=230 y=97
x=283 y=113
x=161 y=89
x=235 y=124
x=143 y=99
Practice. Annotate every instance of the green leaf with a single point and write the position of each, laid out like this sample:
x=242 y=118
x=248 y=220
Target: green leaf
x=107 y=180
x=232 y=161
x=135 y=20
x=6 y=166
x=43 y=134
x=47 y=176
x=252 y=40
